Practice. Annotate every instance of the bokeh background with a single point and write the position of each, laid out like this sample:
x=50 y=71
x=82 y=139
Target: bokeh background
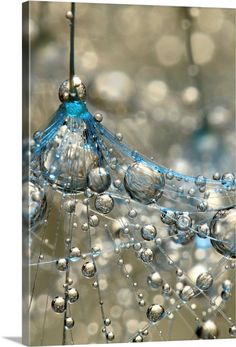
x=163 y=76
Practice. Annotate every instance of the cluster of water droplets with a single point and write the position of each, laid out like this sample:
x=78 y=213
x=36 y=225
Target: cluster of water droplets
x=122 y=248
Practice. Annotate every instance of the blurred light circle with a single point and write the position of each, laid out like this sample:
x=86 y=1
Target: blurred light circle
x=132 y=325
x=114 y=86
x=89 y=60
x=219 y=116
x=127 y=15
x=194 y=12
x=203 y=47
x=169 y=50
x=116 y=311
x=157 y=91
x=92 y=328
x=210 y=20
x=190 y=95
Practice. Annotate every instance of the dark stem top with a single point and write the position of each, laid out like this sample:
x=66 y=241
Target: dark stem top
x=72 y=39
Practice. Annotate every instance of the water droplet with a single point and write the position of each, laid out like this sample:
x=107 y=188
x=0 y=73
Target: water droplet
x=204 y=281
x=223 y=232
x=203 y=230
x=184 y=222
x=208 y=330
x=104 y=203
x=69 y=206
x=93 y=220
x=146 y=255
x=154 y=280
x=58 y=304
x=155 y=312
x=62 y=264
x=186 y=293
x=148 y=232
x=143 y=183
x=69 y=323
x=119 y=136
x=110 y=336
x=34 y=203
x=99 y=180
x=88 y=269
x=107 y=321
x=138 y=338
x=168 y=217
x=232 y=331
x=73 y=295
x=98 y=117
x=75 y=253
x=132 y=213
x=200 y=181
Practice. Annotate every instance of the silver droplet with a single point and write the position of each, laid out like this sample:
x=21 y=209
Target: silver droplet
x=200 y=181
x=168 y=217
x=204 y=281
x=232 y=331
x=75 y=253
x=184 y=222
x=132 y=213
x=143 y=183
x=69 y=206
x=228 y=179
x=104 y=203
x=155 y=312
x=138 y=338
x=154 y=280
x=69 y=15
x=58 y=304
x=88 y=269
x=69 y=323
x=98 y=117
x=34 y=203
x=110 y=336
x=203 y=230
x=146 y=255
x=208 y=330
x=186 y=293
x=78 y=90
x=73 y=295
x=148 y=232
x=93 y=220
x=227 y=285
x=99 y=180
x=107 y=321
x=73 y=149
x=62 y=264
x=223 y=232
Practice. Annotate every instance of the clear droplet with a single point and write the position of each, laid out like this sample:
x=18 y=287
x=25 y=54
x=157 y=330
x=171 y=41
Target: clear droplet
x=186 y=293
x=73 y=295
x=104 y=203
x=69 y=323
x=223 y=232
x=208 y=330
x=99 y=180
x=154 y=280
x=88 y=269
x=62 y=264
x=148 y=232
x=204 y=281
x=155 y=313
x=58 y=304
x=143 y=183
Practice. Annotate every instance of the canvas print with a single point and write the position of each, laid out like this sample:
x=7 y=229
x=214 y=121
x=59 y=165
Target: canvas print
x=129 y=217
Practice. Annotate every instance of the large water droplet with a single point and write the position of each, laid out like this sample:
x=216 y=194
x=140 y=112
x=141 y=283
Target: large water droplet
x=143 y=183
